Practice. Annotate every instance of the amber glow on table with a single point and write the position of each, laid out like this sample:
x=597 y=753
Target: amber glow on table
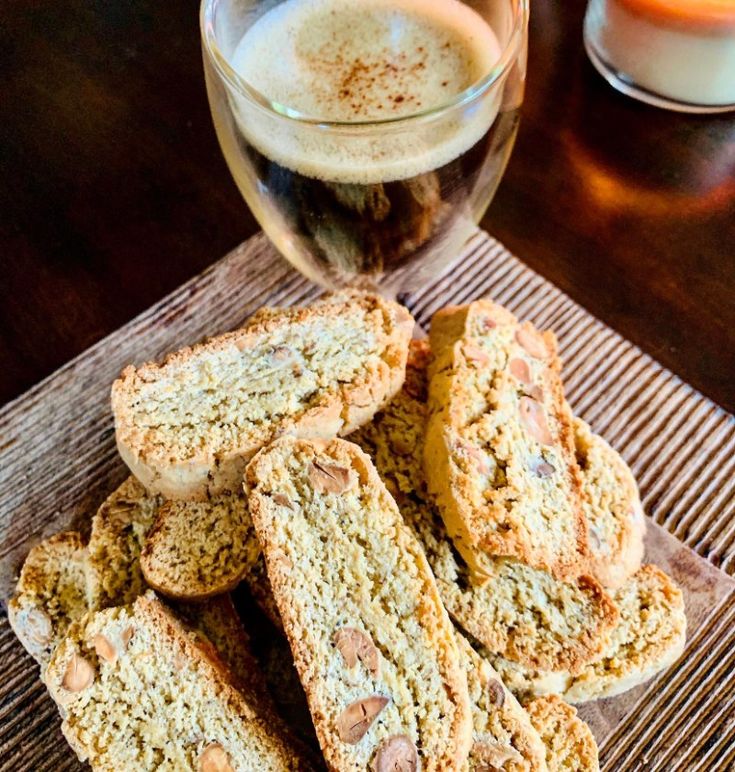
x=614 y=191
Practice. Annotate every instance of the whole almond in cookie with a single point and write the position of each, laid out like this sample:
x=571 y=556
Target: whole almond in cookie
x=396 y=754
x=214 y=758
x=488 y=755
x=38 y=627
x=105 y=650
x=520 y=370
x=282 y=500
x=475 y=354
x=534 y=419
x=353 y=645
x=329 y=478
x=543 y=469
x=531 y=341
x=79 y=674
x=356 y=718
x=495 y=692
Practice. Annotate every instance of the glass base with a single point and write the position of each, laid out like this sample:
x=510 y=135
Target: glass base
x=624 y=85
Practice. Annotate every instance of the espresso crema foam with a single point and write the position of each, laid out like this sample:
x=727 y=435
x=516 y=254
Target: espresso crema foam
x=365 y=60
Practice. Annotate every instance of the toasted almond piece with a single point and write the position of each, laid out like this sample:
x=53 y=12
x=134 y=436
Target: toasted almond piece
x=396 y=754
x=495 y=692
x=282 y=500
x=535 y=392
x=531 y=341
x=354 y=644
x=533 y=417
x=79 y=674
x=38 y=626
x=520 y=370
x=356 y=718
x=329 y=478
x=491 y=756
x=481 y=460
x=105 y=650
x=214 y=758
x=179 y=661
x=475 y=354
x=543 y=469
x=126 y=635
x=281 y=354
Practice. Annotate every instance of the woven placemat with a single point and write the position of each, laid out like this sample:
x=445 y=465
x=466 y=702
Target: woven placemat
x=59 y=462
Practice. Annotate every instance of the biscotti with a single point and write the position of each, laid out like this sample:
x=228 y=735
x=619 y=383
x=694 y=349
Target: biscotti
x=373 y=645
x=503 y=736
x=196 y=550
x=187 y=427
x=570 y=745
x=50 y=594
x=218 y=621
x=650 y=637
x=499 y=449
x=612 y=506
x=524 y=613
x=137 y=691
x=113 y=574
x=119 y=529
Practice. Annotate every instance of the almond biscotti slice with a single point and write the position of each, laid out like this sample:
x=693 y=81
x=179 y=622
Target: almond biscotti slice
x=523 y=612
x=187 y=427
x=196 y=550
x=612 y=507
x=499 y=448
x=373 y=645
x=50 y=594
x=650 y=637
x=503 y=736
x=136 y=690
x=119 y=529
x=218 y=621
x=570 y=744
x=113 y=575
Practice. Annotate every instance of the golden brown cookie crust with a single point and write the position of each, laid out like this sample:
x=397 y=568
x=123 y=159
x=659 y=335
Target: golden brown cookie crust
x=499 y=449
x=373 y=640
x=187 y=427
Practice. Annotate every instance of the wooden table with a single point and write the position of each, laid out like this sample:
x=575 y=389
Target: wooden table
x=114 y=191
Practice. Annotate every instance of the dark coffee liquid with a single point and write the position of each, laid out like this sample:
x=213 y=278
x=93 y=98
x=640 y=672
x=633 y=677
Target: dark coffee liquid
x=350 y=229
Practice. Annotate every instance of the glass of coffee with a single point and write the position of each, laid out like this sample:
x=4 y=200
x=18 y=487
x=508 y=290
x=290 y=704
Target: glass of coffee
x=367 y=136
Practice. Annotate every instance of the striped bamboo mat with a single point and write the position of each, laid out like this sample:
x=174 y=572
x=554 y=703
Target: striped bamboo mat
x=59 y=462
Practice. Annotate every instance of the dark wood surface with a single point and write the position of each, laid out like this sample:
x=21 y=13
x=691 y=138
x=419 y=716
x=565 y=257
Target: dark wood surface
x=113 y=190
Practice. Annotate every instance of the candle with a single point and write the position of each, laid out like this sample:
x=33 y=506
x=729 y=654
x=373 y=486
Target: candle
x=675 y=53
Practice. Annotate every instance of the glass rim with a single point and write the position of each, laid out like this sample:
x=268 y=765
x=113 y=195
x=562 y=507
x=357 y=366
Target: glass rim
x=211 y=48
